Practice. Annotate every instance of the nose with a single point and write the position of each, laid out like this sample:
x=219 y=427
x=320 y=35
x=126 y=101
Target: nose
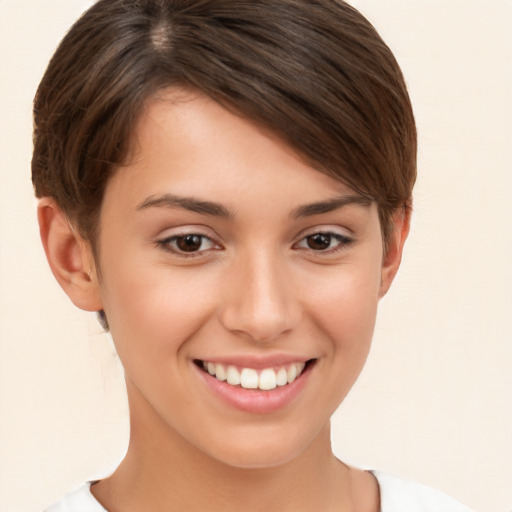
x=259 y=299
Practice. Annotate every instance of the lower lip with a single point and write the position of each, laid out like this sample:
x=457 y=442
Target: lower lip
x=257 y=401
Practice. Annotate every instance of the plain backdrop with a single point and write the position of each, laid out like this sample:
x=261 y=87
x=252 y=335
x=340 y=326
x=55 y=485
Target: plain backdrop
x=435 y=401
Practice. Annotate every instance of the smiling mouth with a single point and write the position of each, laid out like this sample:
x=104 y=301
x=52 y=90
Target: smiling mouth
x=265 y=379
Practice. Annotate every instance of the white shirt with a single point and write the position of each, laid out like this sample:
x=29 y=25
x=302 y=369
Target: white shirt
x=396 y=495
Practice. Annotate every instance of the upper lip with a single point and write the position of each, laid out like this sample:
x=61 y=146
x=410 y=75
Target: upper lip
x=258 y=362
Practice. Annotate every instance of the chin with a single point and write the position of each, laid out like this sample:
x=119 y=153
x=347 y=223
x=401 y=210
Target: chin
x=260 y=449
x=257 y=459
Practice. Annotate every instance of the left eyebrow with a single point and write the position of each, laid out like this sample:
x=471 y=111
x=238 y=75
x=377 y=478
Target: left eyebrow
x=329 y=205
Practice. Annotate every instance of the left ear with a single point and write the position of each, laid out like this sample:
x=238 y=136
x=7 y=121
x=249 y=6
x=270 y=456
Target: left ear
x=391 y=261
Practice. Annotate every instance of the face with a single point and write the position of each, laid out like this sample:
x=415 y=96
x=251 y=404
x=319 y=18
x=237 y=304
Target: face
x=240 y=285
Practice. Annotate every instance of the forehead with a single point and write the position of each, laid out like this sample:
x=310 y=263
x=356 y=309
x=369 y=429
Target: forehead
x=188 y=124
x=186 y=142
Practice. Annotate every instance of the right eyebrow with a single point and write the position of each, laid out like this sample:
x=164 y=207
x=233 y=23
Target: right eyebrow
x=187 y=203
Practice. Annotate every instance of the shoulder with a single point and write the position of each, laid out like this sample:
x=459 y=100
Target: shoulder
x=399 y=495
x=77 y=501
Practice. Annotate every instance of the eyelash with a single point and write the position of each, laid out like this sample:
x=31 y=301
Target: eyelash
x=343 y=242
x=167 y=243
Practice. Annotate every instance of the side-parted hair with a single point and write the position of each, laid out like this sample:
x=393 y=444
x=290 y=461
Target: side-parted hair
x=314 y=72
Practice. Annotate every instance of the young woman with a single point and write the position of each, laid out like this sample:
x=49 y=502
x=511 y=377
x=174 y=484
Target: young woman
x=228 y=184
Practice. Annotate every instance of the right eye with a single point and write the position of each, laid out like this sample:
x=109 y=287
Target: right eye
x=188 y=244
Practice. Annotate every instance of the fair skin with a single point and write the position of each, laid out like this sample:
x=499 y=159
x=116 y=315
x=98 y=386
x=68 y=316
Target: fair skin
x=210 y=251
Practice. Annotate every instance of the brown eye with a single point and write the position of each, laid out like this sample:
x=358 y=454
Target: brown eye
x=319 y=241
x=189 y=243
x=327 y=242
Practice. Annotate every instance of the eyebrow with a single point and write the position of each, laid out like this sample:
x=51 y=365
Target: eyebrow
x=188 y=203
x=217 y=210
x=308 y=210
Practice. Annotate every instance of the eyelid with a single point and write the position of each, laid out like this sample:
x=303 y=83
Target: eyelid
x=188 y=229
x=328 y=229
x=164 y=240
x=345 y=239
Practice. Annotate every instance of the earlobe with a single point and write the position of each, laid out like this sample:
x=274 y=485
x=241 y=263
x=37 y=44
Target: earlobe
x=393 y=256
x=69 y=255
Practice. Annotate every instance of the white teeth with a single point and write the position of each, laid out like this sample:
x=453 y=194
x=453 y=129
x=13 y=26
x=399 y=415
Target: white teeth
x=249 y=378
x=233 y=376
x=268 y=379
x=282 y=377
x=292 y=373
x=220 y=373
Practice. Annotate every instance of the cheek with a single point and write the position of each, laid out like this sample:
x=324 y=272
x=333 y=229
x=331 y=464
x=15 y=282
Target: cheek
x=155 y=305
x=348 y=320
x=344 y=300
x=343 y=309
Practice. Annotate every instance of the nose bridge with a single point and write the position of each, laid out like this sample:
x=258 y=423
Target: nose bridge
x=260 y=300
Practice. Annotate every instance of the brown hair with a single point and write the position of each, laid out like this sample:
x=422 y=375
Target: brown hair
x=315 y=72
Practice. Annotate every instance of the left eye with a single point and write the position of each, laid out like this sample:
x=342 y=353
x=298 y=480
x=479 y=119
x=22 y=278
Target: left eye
x=324 y=241
x=188 y=243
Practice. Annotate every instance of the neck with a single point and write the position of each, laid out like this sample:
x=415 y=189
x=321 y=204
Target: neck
x=162 y=472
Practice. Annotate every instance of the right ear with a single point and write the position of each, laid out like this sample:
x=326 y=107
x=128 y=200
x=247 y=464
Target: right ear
x=69 y=255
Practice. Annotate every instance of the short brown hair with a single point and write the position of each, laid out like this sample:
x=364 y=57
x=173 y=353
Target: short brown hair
x=315 y=72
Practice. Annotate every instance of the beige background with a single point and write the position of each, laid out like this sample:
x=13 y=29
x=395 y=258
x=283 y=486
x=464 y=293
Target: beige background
x=435 y=400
